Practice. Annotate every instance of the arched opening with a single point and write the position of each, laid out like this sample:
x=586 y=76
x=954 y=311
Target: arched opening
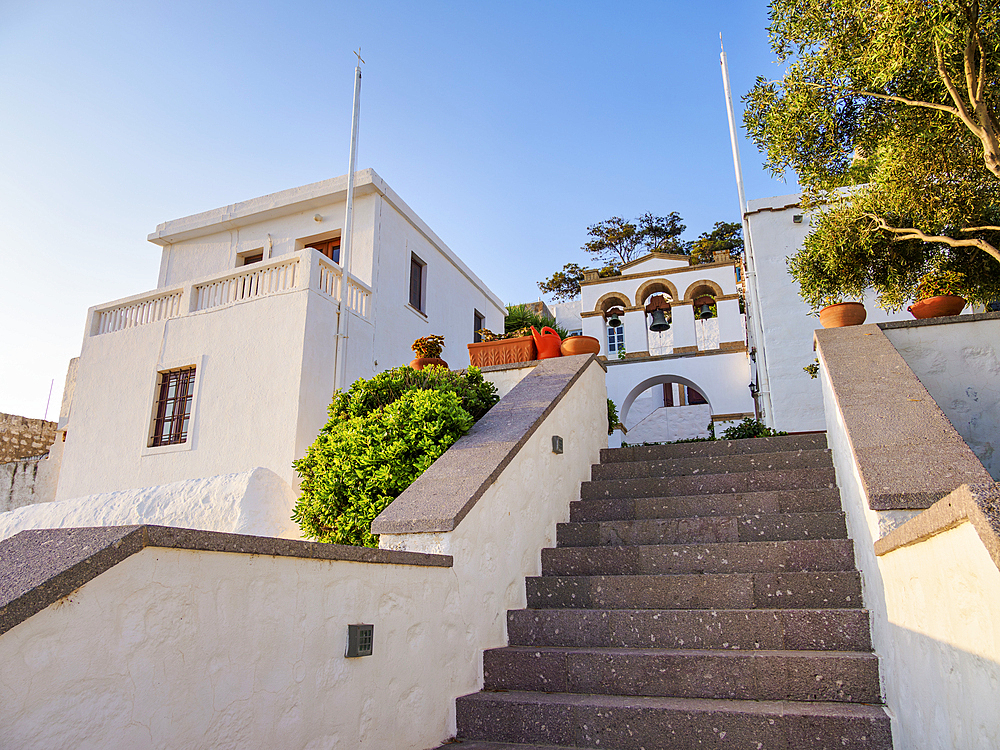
x=704 y=287
x=653 y=287
x=664 y=408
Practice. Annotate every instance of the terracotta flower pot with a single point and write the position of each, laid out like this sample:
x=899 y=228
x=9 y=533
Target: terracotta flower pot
x=580 y=345
x=421 y=362
x=502 y=352
x=843 y=314
x=937 y=307
x=547 y=342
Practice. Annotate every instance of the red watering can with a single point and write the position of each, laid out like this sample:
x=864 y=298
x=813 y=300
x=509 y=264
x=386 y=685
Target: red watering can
x=547 y=342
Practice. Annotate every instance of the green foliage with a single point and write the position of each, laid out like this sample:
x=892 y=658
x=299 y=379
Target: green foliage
x=565 y=284
x=612 y=416
x=616 y=241
x=622 y=352
x=725 y=235
x=749 y=428
x=382 y=434
x=938 y=282
x=896 y=103
x=428 y=346
x=522 y=317
x=812 y=369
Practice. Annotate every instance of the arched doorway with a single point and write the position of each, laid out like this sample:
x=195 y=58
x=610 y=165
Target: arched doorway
x=664 y=408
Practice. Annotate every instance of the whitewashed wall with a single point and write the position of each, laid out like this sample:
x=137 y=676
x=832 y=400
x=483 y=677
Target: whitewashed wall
x=796 y=399
x=186 y=649
x=959 y=366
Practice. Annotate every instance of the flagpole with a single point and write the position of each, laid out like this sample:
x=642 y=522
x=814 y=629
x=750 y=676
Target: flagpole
x=340 y=365
x=752 y=299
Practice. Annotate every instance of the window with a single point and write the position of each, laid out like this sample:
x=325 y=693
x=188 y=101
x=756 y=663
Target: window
x=478 y=323
x=172 y=410
x=695 y=397
x=330 y=248
x=252 y=257
x=418 y=281
x=616 y=338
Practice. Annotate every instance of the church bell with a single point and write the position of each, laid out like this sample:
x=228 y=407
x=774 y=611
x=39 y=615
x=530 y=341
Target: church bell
x=613 y=320
x=705 y=312
x=660 y=322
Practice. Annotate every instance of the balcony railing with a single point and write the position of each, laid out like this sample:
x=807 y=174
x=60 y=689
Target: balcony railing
x=306 y=269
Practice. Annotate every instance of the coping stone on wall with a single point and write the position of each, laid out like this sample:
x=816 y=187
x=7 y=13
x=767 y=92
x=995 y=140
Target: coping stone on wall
x=443 y=495
x=907 y=451
x=943 y=320
x=40 y=566
x=979 y=504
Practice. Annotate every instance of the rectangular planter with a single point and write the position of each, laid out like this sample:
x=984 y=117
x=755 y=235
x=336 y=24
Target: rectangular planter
x=503 y=352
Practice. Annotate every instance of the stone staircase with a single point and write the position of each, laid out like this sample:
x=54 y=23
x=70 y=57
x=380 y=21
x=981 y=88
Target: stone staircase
x=703 y=595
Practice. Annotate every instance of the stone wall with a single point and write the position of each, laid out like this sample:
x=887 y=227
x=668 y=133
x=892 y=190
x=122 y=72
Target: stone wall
x=21 y=437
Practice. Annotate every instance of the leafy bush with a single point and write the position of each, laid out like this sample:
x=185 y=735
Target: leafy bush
x=382 y=434
x=749 y=428
x=612 y=416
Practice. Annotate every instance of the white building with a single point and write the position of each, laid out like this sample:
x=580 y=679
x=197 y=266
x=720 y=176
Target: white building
x=228 y=364
x=671 y=384
x=789 y=399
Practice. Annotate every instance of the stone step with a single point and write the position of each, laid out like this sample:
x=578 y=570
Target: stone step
x=710 y=484
x=762 y=527
x=676 y=467
x=638 y=723
x=742 y=557
x=761 y=675
x=482 y=745
x=700 y=591
x=814 y=441
x=738 y=504
x=740 y=629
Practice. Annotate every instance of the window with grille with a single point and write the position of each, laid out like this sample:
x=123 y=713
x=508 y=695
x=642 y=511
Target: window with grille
x=616 y=338
x=172 y=411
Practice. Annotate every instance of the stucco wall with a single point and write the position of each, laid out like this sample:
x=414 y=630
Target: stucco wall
x=932 y=617
x=27 y=481
x=943 y=607
x=796 y=399
x=669 y=423
x=23 y=437
x=958 y=364
x=189 y=649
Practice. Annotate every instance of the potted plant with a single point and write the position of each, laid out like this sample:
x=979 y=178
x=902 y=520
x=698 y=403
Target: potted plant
x=428 y=351
x=502 y=348
x=938 y=294
x=836 y=313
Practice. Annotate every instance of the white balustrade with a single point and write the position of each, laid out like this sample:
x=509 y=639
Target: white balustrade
x=707 y=333
x=249 y=284
x=358 y=294
x=138 y=312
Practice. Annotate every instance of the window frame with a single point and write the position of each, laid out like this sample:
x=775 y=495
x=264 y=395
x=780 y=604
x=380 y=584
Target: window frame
x=478 y=323
x=192 y=363
x=421 y=284
x=619 y=333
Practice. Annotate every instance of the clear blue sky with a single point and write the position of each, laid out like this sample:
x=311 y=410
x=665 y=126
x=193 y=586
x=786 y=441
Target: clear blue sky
x=508 y=127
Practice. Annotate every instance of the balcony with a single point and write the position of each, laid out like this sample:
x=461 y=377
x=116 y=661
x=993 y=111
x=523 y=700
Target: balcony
x=305 y=269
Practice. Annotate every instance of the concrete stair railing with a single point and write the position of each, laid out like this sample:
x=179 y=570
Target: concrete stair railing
x=703 y=595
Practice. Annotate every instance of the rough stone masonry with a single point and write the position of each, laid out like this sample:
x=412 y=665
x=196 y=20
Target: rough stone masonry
x=21 y=437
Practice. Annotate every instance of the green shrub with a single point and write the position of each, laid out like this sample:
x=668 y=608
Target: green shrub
x=749 y=428
x=612 y=416
x=521 y=316
x=382 y=434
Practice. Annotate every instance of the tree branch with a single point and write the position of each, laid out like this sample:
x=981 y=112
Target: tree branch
x=912 y=233
x=956 y=95
x=980 y=229
x=889 y=97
